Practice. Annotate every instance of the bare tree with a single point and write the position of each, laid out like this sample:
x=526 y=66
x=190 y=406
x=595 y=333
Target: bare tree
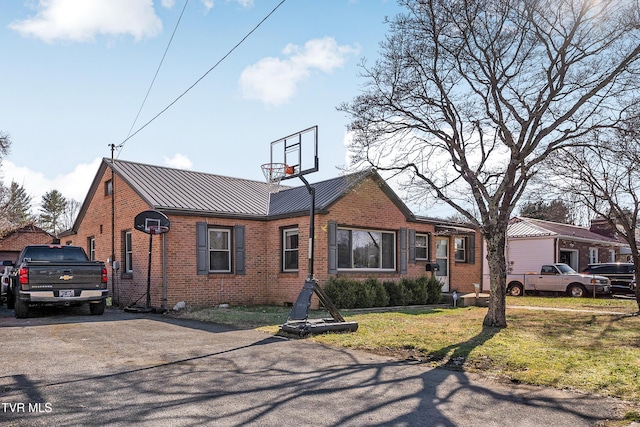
x=606 y=178
x=70 y=213
x=469 y=97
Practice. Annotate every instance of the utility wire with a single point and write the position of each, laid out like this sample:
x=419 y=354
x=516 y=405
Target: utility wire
x=204 y=75
x=158 y=69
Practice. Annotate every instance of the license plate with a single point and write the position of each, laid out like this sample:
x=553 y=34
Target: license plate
x=66 y=294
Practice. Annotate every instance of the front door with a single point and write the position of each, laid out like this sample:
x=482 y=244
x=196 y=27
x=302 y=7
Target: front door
x=442 y=259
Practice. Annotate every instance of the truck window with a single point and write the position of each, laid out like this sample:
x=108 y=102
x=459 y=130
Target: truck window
x=549 y=269
x=64 y=253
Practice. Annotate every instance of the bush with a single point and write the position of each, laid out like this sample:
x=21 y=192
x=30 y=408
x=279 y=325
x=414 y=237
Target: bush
x=397 y=293
x=434 y=290
x=380 y=298
x=417 y=289
x=341 y=292
x=351 y=293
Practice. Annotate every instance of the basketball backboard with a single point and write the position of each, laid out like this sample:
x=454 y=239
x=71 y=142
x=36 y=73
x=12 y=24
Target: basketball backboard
x=298 y=151
x=151 y=222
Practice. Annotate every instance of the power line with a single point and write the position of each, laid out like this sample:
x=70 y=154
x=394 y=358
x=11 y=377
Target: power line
x=204 y=75
x=158 y=69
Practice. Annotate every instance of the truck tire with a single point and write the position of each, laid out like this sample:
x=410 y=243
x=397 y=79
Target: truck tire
x=21 y=308
x=576 y=290
x=515 y=290
x=97 y=309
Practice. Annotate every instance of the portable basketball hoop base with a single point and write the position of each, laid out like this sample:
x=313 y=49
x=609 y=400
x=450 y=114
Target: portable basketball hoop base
x=299 y=322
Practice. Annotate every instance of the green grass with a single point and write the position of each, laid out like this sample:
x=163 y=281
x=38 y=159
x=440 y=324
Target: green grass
x=590 y=352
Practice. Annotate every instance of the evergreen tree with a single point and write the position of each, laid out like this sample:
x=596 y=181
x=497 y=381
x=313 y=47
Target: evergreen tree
x=52 y=210
x=555 y=211
x=17 y=205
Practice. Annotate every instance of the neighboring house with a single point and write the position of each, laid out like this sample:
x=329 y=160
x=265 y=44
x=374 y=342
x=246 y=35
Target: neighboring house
x=533 y=242
x=13 y=241
x=601 y=226
x=231 y=242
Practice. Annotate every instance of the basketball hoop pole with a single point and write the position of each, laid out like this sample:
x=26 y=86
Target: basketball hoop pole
x=312 y=215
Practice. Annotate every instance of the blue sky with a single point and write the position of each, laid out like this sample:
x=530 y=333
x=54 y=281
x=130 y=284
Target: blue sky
x=75 y=73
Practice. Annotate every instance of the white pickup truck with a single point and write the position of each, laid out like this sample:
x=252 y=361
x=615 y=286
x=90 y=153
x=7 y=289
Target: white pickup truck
x=557 y=278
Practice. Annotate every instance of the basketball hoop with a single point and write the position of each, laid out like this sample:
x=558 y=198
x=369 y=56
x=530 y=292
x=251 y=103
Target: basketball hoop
x=273 y=173
x=156 y=229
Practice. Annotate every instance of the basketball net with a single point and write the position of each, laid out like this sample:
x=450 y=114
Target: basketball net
x=273 y=173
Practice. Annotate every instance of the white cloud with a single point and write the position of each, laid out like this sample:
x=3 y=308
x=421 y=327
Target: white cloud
x=168 y=3
x=179 y=161
x=274 y=81
x=208 y=4
x=73 y=185
x=82 y=20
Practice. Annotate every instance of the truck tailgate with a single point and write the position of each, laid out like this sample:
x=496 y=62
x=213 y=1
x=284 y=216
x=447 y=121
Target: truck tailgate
x=45 y=275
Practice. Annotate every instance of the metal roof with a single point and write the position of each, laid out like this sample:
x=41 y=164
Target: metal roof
x=170 y=189
x=327 y=192
x=178 y=189
x=520 y=227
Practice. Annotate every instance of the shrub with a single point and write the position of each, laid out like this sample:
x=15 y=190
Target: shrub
x=418 y=288
x=397 y=293
x=352 y=293
x=341 y=292
x=379 y=295
x=434 y=290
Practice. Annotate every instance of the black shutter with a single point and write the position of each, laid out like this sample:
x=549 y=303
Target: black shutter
x=472 y=249
x=201 y=248
x=403 y=251
x=412 y=246
x=332 y=243
x=240 y=252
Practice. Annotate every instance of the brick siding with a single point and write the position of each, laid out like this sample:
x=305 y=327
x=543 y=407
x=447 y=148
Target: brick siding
x=365 y=206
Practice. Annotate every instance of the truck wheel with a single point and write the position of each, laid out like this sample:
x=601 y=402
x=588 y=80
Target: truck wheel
x=515 y=290
x=576 y=290
x=10 y=300
x=21 y=308
x=97 y=309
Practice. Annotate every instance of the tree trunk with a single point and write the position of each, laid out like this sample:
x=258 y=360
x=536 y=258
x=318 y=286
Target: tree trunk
x=496 y=316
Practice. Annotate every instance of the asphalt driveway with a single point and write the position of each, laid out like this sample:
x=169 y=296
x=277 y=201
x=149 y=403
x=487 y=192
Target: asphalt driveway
x=68 y=368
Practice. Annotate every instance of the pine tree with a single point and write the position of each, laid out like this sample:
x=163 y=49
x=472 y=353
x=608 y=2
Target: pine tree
x=52 y=209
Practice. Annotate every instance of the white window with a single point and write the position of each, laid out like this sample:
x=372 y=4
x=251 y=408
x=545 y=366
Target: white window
x=219 y=250
x=422 y=246
x=460 y=248
x=366 y=249
x=593 y=255
x=290 y=249
x=92 y=248
x=612 y=255
x=128 y=252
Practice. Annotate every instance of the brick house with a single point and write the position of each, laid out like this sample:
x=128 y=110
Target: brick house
x=13 y=241
x=231 y=242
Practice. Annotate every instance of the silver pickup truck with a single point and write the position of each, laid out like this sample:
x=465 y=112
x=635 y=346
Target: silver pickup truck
x=558 y=278
x=56 y=275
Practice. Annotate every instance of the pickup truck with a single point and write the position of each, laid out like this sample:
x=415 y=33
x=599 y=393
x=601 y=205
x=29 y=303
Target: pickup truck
x=558 y=278
x=56 y=275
